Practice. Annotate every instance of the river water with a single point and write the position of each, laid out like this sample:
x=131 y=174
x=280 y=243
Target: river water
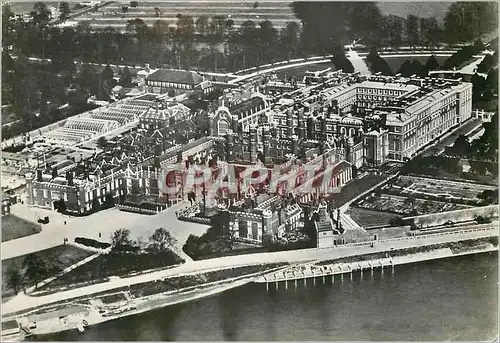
x=450 y=299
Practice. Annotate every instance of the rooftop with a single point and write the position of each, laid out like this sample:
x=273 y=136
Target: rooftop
x=176 y=76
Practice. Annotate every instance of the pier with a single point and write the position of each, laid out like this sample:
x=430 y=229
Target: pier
x=321 y=271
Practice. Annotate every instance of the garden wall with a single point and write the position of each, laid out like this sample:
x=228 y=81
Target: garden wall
x=454 y=216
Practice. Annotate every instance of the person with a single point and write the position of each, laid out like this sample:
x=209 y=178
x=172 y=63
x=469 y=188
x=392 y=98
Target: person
x=99 y=235
x=64 y=222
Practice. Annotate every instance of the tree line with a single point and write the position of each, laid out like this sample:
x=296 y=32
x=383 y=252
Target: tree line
x=327 y=23
x=34 y=92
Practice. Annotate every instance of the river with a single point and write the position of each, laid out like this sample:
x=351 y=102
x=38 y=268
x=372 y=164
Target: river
x=449 y=299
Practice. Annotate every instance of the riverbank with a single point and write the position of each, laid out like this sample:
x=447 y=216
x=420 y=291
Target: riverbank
x=381 y=260
x=157 y=301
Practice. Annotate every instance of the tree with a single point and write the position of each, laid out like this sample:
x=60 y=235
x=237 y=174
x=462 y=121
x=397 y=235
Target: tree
x=138 y=28
x=378 y=64
x=492 y=79
x=366 y=21
x=63 y=10
x=192 y=246
x=478 y=87
x=120 y=239
x=432 y=63
x=102 y=142
x=430 y=31
x=290 y=39
x=14 y=279
x=40 y=15
x=478 y=45
x=412 y=30
x=340 y=60
x=392 y=30
x=467 y=21
x=161 y=241
x=202 y=25
x=126 y=77
x=36 y=268
x=461 y=147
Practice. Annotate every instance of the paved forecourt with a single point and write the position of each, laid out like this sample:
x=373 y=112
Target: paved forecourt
x=103 y=222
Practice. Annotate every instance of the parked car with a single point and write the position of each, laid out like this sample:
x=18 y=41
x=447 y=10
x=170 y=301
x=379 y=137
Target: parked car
x=43 y=220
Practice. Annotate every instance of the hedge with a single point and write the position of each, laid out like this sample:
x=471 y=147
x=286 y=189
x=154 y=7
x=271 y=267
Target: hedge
x=92 y=243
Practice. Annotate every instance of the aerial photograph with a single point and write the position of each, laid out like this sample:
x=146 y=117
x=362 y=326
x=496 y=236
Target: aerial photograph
x=276 y=170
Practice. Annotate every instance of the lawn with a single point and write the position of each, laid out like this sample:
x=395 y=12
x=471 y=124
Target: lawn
x=14 y=227
x=56 y=259
x=113 y=264
x=368 y=218
x=299 y=72
x=355 y=188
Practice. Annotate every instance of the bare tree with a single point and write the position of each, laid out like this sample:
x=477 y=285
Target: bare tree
x=161 y=240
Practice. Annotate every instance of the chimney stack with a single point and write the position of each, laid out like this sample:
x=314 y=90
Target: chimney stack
x=69 y=178
x=39 y=175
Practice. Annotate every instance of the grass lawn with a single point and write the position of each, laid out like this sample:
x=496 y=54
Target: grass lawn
x=14 y=227
x=57 y=259
x=105 y=266
x=368 y=218
x=299 y=72
x=355 y=188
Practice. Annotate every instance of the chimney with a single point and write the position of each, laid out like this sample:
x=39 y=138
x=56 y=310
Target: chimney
x=39 y=175
x=69 y=178
x=338 y=218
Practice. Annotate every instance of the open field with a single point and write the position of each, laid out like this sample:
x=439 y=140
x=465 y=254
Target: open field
x=56 y=260
x=369 y=218
x=14 y=227
x=299 y=72
x=279 y=12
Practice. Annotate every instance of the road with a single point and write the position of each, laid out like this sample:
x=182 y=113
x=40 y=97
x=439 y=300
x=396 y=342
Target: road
x=438 y=148
x=358 y=63
x=103 y=222
x=23 y=302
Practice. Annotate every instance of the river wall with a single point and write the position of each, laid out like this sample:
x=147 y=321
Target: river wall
x=435 y=219
x=162 y=300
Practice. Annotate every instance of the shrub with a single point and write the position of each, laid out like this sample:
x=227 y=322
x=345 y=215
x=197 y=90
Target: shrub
x=482 y=219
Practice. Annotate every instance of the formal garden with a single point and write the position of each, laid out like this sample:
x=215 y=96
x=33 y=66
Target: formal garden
x=409 y=195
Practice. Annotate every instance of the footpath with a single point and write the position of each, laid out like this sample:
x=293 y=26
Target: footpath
x=297 y=256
